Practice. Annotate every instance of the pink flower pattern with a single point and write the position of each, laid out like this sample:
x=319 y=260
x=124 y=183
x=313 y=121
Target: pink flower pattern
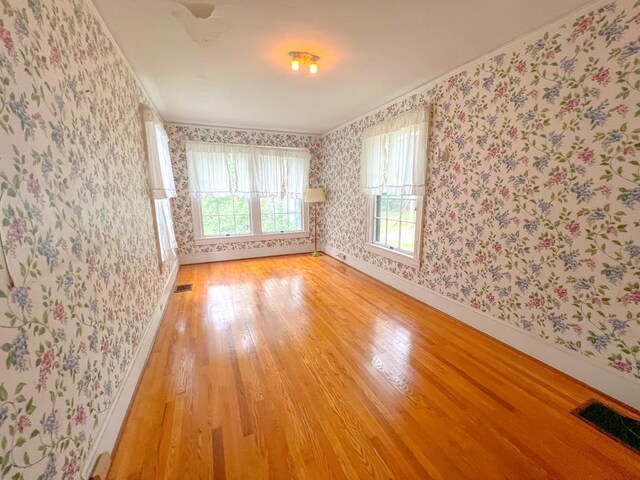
x=181 y=205
x=531 y=214
x=77 y=230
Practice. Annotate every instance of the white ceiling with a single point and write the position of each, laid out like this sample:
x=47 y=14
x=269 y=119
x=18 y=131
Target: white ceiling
x=231 y=69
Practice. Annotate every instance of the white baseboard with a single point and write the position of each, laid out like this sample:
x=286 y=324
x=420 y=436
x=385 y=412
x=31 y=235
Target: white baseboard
x=579 y=367
x=110 y=429
x=190 y=258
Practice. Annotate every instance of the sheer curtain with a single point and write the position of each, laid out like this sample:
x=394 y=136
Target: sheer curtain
x=394 y=155
x=247 y=170
x=208 y=167
x=166 y=233
x=161 y=182
x=297 y=178
x=276 y=172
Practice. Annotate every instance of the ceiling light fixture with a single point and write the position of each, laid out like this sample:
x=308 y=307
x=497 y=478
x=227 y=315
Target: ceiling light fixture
x=304 y=58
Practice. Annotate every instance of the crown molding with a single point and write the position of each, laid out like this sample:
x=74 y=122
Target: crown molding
x=247 y=129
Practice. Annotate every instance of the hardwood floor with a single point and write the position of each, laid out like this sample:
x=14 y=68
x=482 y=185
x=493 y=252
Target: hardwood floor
x=301 y=367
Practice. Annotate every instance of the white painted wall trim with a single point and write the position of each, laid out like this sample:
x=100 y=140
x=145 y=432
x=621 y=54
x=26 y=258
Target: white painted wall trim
x=232 y=127
x=110 y=429
x=579 y=367
x=205 y=257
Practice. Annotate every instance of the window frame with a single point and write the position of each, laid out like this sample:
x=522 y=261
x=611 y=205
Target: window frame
x=255 y=225
x=161 y=185
x=389 y=252
x=274 y=215
x=220 y=216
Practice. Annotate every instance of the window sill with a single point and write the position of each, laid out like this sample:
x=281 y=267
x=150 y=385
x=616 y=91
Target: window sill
x=250 y=238
x=393 y=255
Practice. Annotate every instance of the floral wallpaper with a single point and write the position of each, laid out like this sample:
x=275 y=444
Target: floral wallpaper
x=533 y=209
x=532 y=214
x=79 y=275
x=181 y=205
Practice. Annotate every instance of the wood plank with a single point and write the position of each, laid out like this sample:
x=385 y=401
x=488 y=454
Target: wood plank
x=301 y=367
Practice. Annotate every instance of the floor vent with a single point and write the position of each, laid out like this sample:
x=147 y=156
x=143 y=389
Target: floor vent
x=187 y=287
x=623 y=429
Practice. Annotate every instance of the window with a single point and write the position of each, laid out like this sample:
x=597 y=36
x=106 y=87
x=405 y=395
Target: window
x=161 y=184
x=243 y=193
x=393 y=176
x=225 y=216
x=395 y=219
x=281 y=214
x=394 y=227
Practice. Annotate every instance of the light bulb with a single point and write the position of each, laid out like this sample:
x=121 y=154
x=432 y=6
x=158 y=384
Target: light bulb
x=295 y=65
x=313 y=68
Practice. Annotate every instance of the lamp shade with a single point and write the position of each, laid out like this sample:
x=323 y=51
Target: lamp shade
x=314 y=195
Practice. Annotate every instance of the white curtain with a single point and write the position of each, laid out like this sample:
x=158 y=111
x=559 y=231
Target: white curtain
x=297 y=178
x=208 y=167
x=394 y=155
x=276 y=172
x=161 y=182
x=247 y=170
x=166 y=235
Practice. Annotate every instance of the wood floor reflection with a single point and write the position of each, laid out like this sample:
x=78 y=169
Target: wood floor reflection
x=301 y=367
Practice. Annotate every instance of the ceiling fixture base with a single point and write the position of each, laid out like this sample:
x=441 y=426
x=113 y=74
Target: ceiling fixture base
x=304 y=58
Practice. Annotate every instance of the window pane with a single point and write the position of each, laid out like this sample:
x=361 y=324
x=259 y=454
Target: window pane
x=225 y=205
x=395 y=208
x=407 y=240
x=241 y=205
x=242 y=224
x=277 y=205
x=266 y=206
x=267 y=223
x=223 y=216
x=293 y=221
x=281 y=214
x=383 y=231
x=210 y=225
x=281 y=221
x=395 y=219
x=393 y=234
x=227 y=224
x=209 y=206
x=409 y=210
x=381 y=205
x=226 y=216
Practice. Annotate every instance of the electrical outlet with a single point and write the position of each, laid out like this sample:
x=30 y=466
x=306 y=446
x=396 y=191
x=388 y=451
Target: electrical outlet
x=342 y=256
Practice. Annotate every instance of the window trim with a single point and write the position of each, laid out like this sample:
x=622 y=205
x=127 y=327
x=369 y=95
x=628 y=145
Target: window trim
x=397 y=255
x=256 y=234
